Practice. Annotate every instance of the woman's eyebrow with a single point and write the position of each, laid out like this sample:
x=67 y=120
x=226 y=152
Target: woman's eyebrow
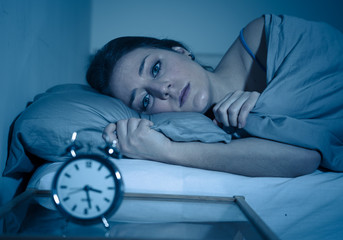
x=141 y=67
x=132 y=98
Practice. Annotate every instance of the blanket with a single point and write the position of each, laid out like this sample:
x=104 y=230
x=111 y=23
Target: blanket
x=303 y=102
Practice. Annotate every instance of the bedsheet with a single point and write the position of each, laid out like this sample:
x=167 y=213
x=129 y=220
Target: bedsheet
x=303 y=102
x=307 y=207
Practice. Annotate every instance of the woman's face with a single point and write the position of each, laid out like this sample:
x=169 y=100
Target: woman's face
x=151 y=80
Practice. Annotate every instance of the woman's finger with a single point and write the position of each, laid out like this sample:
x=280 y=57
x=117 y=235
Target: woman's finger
x=219 y=111
x=108 y=133
x=122 y=129
x=224 y=112
x=246 y=108
x=235 y=108
x=145 y=123
x=132 y=125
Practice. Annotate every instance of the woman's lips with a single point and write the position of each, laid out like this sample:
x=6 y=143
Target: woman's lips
x=184 y=94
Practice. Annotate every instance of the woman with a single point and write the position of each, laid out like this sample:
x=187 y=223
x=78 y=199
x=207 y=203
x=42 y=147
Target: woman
x=153 y=76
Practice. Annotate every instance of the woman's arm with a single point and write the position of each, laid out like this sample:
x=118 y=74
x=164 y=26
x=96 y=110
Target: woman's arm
x=248 y=156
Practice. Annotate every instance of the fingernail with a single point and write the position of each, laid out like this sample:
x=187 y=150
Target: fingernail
x=239 y=125
x=107 y=138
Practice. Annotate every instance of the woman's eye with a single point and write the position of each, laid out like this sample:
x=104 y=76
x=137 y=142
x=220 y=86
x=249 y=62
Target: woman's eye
x=156 y=69
x=145 y=102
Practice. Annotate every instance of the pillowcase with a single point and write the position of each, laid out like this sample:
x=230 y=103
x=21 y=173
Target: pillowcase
x=44 y=129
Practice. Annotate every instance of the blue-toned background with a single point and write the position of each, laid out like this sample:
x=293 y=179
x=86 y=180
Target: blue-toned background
x=47 y=42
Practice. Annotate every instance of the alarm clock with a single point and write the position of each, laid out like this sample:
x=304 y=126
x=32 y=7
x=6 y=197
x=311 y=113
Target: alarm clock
x=87 y=189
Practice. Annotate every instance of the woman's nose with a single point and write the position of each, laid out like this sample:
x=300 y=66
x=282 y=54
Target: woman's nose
x=161 y=90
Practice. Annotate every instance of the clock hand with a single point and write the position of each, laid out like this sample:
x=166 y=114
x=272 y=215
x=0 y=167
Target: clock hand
x=76 y=191
x=95 y=190
x=86 y=189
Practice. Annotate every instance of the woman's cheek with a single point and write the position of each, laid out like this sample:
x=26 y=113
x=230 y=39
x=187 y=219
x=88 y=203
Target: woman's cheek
x=160 y=106
x=201 y=102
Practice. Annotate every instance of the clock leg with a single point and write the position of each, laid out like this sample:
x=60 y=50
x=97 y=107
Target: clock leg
x=107 y=226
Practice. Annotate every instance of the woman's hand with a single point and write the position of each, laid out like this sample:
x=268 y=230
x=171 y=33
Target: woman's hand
x=234 y=108
x=135 y=139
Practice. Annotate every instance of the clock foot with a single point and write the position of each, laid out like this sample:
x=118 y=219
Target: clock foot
x=105 y=222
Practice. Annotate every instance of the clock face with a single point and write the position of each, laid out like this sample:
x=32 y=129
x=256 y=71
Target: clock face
x=87 y=188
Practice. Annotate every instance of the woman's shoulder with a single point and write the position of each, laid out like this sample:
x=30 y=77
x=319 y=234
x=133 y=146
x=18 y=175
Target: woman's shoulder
x=254 y=33
x=238 y=60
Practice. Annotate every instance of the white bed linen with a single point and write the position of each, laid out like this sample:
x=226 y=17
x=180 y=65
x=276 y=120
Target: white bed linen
x=306 y=207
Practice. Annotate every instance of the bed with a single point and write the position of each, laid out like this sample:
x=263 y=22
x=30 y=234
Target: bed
x=306 y=207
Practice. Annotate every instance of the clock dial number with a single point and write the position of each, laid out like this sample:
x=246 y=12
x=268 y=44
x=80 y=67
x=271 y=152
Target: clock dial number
x=74 y=207
x=88 y=164
x=97 y=208
x=76 y=167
